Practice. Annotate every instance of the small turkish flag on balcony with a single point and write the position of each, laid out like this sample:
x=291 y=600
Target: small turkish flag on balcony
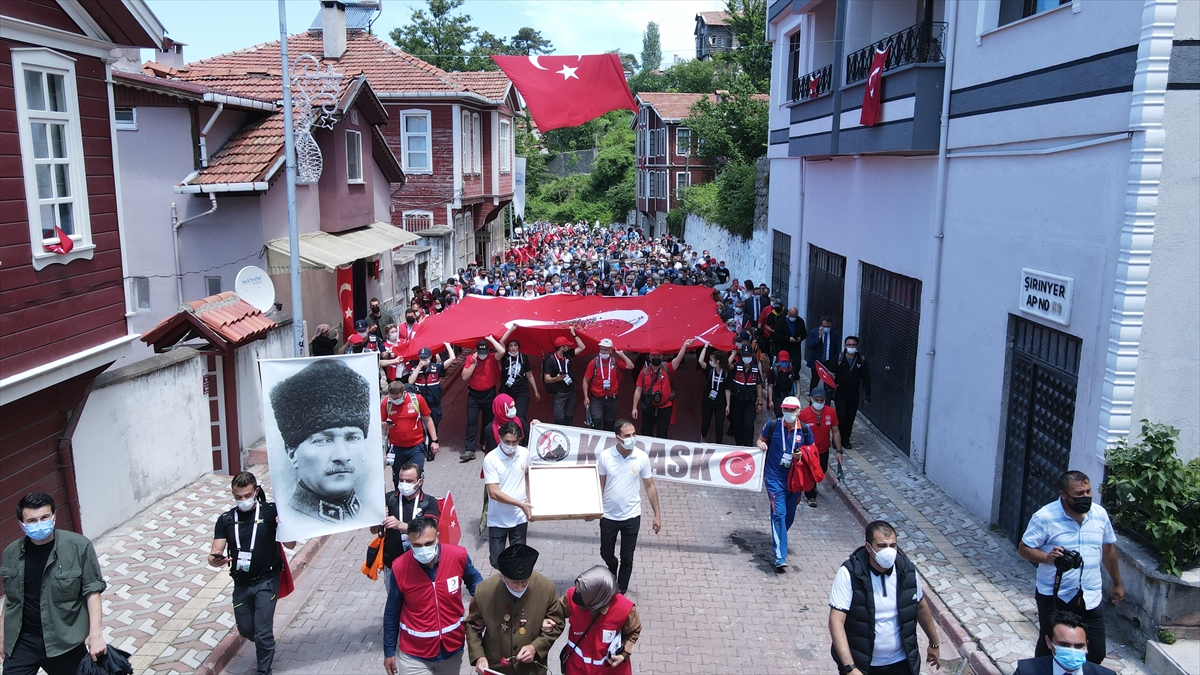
x=814 y=85
x=566 y=91
x=64 y=245
x=873 y=94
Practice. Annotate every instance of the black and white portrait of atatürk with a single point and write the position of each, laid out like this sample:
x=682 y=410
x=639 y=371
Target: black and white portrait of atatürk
x=323 y=434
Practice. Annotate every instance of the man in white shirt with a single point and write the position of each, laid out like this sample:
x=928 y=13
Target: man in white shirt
x=624 y=470
x=890 y=613
x=506 y=478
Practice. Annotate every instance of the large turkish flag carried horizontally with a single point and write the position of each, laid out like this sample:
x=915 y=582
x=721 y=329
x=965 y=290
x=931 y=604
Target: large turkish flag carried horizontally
x=566 y=91
x=660 y=320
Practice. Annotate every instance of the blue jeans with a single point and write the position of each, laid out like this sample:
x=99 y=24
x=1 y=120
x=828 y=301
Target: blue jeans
x=415 y=454
x=783 y=513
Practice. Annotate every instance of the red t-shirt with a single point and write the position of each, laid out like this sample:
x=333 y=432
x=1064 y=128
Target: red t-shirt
x=406 y=430
x=610 y=370
x=650 y=382
x=822 y=428
x=486 y=374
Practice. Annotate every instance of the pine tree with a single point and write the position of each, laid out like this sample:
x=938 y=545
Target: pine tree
x=651 y=48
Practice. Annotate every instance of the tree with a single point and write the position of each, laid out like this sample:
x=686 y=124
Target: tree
x=694 y=76
x=628 y=61
x=439 y=36
x=733 y=129
x=528 y=41
x=652 y=47
x=487 y=44
x=753 y=55
x=647 y=80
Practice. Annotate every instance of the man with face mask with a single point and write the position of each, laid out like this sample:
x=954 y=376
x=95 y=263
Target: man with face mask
x=715 y=399
x=601 y=381
x=481 y=371
x=425 y=609
x=781 y=440
x=254 y=563
x=852 y=377
x=515 y=617
x=506 y=478
x=746 y=387
x=822 y=420
x=604 y=626
x=624 y=471
x=47 y=624
x=377 y=321
x=654 y=395
x=406 y=502
x=1068 y=646
x=1073 y=523
x=874 y=607
x=516 y=375
x=556 y=373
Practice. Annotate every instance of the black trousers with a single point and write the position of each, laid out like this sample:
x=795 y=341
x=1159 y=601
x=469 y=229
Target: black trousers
x=1093 y=625
x=846 y=404
x=741 y=417
x=707 y=414
x=521 y=399
x=254 y=612
x=564 y=407
x=478 y=402
x=655 y=421
x=812 y=494
x=604 y=412
x=628 y=529
x=29 y=654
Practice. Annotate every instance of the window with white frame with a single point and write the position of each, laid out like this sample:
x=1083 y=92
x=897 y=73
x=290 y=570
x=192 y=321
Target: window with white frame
x=415 y=141
x=415 y=221
x=505 y=146
x=465 y=142
x=141 y=293
x=51 y=152
x=354 y=168
x=477 y=143
x=126 y=118
x=683 y=141
x=1015 y=10
x=641 y=184
x=654 y=185
x=652 y=146
x=665 y=184
x=683 y=180
x=212 y=285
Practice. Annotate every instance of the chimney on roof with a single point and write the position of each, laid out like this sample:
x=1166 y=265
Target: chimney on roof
x=171 y=54
x=333 y=28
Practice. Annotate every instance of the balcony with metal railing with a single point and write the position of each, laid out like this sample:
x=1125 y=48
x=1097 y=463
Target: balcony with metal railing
x=920 y=43
x=817 y=83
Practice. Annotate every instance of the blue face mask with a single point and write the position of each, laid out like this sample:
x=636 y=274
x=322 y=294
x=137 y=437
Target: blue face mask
x=425 y=554
x=39 y=531
x=1069 y=658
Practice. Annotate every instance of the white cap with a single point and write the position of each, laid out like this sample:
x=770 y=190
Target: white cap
x=790 y=402
x=606 y=343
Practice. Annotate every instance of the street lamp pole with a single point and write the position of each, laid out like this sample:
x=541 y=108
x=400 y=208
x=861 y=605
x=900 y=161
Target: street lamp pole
x=289 y=148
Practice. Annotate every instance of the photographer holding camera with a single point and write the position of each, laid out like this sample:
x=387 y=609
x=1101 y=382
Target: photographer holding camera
x=1069 y=539
x=654 y=397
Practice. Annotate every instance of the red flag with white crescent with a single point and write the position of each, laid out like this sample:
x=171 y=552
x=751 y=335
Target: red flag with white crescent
x=824 y=374
x=873 y=93
x=566 y=91
x=345 y=285
x=64 y=245
x=449 y=530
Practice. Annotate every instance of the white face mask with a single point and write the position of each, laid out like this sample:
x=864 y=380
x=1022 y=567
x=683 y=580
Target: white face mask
x=886 y=557
x=245 y=505
x=790 y=416
x=509 y=450
x=515 y=594
x=817 y=405
x=747 y=359
x=851 y=350
x=407 y=489
x=629 y=443
x=510 y=411
x=393 y=335
x=425 y=554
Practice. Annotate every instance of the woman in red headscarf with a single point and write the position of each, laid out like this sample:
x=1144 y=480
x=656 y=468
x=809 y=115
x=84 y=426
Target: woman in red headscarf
x=504 y=409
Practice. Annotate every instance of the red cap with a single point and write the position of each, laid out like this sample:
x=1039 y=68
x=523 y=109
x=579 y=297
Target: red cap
x=561 y=341
x=355 y=339
x=783 y=356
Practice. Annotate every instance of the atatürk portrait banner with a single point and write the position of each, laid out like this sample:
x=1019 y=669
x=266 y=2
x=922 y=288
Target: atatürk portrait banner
x=323 y=433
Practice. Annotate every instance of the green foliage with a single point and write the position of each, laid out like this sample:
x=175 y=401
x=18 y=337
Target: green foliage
x=647 y=80
x=528 y=41
x=590 y=134
x=629 y=61
x=702 y=200
x=486 y=44
x=696 y=77
x=439 y=35
x=753 y=55
x=727 y=202
x=1165 y=636
x=1152 y=493
x=607 y=193
x=675 y=218
x=733 y=129
x=652 y=46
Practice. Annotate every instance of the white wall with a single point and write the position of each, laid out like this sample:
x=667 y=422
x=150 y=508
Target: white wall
x=143 y=434
x=783 y=214
x=277 y=345
x=746 y=259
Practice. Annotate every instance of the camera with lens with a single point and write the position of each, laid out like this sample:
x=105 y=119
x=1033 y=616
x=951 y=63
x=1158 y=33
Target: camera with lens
x=1069 y=560
x=655 y=397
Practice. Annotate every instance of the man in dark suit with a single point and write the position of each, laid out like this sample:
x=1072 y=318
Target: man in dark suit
x=822 y=344
x=1068 y=644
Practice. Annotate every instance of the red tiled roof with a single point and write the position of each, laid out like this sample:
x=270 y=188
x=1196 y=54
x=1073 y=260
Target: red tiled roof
x=714 y=18
x=492 y=85
x=178 y=87
x=248 y=155
x=255 y=71
x=670 y=106
x=231 y=317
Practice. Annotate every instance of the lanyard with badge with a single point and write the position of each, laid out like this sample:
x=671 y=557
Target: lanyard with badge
x=243 y=557
x=605 y=378
x=718 y=376
x=564 y=368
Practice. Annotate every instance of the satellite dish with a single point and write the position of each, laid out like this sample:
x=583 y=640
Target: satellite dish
x=255 y=287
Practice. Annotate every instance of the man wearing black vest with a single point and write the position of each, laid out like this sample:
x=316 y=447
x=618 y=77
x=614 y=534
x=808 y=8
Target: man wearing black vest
x=876 y=593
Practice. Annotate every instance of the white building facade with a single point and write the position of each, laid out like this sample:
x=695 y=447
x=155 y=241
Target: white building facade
x=989 y=239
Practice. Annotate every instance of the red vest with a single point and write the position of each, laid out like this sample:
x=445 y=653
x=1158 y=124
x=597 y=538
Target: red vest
x=431 y=617
x=589 y=651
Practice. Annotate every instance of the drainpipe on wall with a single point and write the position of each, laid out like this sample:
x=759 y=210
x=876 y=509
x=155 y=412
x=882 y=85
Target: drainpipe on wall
x=1137 y=230
x=204 y=135
x=939 y=233
x=176 y=224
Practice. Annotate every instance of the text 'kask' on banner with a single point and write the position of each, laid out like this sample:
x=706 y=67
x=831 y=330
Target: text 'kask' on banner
x=708 y=464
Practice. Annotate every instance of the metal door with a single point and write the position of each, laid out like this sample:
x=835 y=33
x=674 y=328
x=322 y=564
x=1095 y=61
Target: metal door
x=214 y=388
x=1043 y=379
x=826 y=287
x=889 y=323
x=781 y=266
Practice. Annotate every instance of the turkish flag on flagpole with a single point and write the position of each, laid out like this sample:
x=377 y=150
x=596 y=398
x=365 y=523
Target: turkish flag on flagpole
x=566 y=91
x=873 y=94
x=449 y=530
x=345 y=286
x=824 y=374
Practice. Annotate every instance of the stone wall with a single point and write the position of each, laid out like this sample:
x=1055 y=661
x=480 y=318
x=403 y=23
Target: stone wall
x=746 y=258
